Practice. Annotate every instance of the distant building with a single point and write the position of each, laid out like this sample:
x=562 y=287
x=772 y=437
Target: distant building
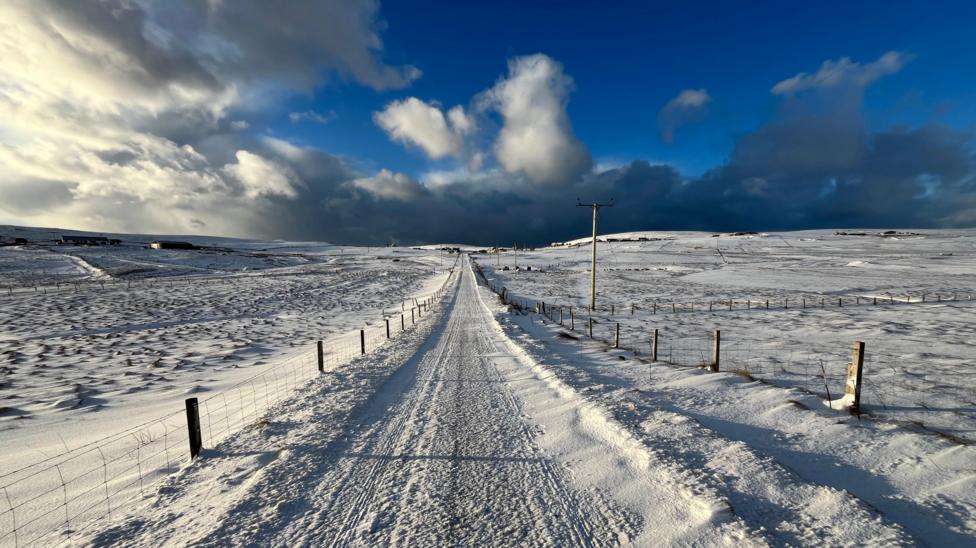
x=166 y=244
x=83 y=240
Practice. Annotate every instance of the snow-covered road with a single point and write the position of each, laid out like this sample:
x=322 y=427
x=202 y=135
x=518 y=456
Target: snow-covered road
x=445 y=456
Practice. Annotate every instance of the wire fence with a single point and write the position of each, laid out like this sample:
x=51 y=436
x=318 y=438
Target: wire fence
x=899 y=383
x=72 y=491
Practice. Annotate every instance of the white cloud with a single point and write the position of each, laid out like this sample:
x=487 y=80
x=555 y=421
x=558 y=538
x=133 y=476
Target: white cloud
x=261 y=177
x=537 y=138
x=424 y=125
x=390 y=186
x=312 y=116
x=843 y=72
x=686 y=107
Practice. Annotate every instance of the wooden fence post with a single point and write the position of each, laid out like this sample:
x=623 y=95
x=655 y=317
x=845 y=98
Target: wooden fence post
x=590 y=323
x=413 y=320
x=387 y=328
x=654 y=347
x=362 y=341
x=716 y=351
x=730 y=304
x=321 y=354
x=616 y=335
x=560 y=315
x=193 y=426
x=654 y=309
x=855 y=372
x=402 y=326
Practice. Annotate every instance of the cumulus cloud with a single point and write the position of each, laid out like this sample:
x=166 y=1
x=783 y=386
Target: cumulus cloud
x=261 y=177
x=687 y=106
x=843 y=72
x=536 y=138
x=415 y=122
x=129 y=115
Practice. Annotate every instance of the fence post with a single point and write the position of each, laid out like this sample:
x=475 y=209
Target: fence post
x=321 y=354
x=387 y=328
x=362 y=341
x=767 y=304
x=590 y=323
x=730 y=304
x=654 y=347
x=560 y=315
x=840 y=302
x=855 y=371
x=412 y=319
x=402 y=326
x=616 y=335
x=572 y=320
x=193 y=426
x=672 y=307
x=654 y=309
x=786 y=302
x=716 y=351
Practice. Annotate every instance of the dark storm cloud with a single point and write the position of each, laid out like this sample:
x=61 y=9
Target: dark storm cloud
x=791 y=174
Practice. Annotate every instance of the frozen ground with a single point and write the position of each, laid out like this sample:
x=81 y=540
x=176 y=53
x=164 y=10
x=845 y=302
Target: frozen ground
x=79 y=364
x=918 y=356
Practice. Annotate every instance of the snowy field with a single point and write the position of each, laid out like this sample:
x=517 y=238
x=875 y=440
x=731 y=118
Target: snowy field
x=918 y=356
x=486 y=424
x=82 y=360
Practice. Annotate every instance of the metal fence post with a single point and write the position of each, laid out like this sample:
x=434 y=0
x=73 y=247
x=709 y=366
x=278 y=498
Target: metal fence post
x=193 y=426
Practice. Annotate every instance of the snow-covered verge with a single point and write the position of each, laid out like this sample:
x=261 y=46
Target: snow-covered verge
x=917 y=355
x=794 y=470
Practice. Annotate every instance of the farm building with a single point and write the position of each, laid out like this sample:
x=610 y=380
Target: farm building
x=83 y=240
x=166 y=244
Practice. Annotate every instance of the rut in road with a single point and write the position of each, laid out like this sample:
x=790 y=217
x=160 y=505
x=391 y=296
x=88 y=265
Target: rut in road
x=451 y=459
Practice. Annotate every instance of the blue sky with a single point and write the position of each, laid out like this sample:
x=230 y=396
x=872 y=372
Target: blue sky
x=629 y=60
x=363 y=122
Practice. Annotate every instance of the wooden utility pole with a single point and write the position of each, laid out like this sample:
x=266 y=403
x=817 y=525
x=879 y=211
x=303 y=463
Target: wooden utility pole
x=596 y=208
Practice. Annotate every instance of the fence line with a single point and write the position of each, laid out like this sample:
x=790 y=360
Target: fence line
x=822 y=371
x=75 y=489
